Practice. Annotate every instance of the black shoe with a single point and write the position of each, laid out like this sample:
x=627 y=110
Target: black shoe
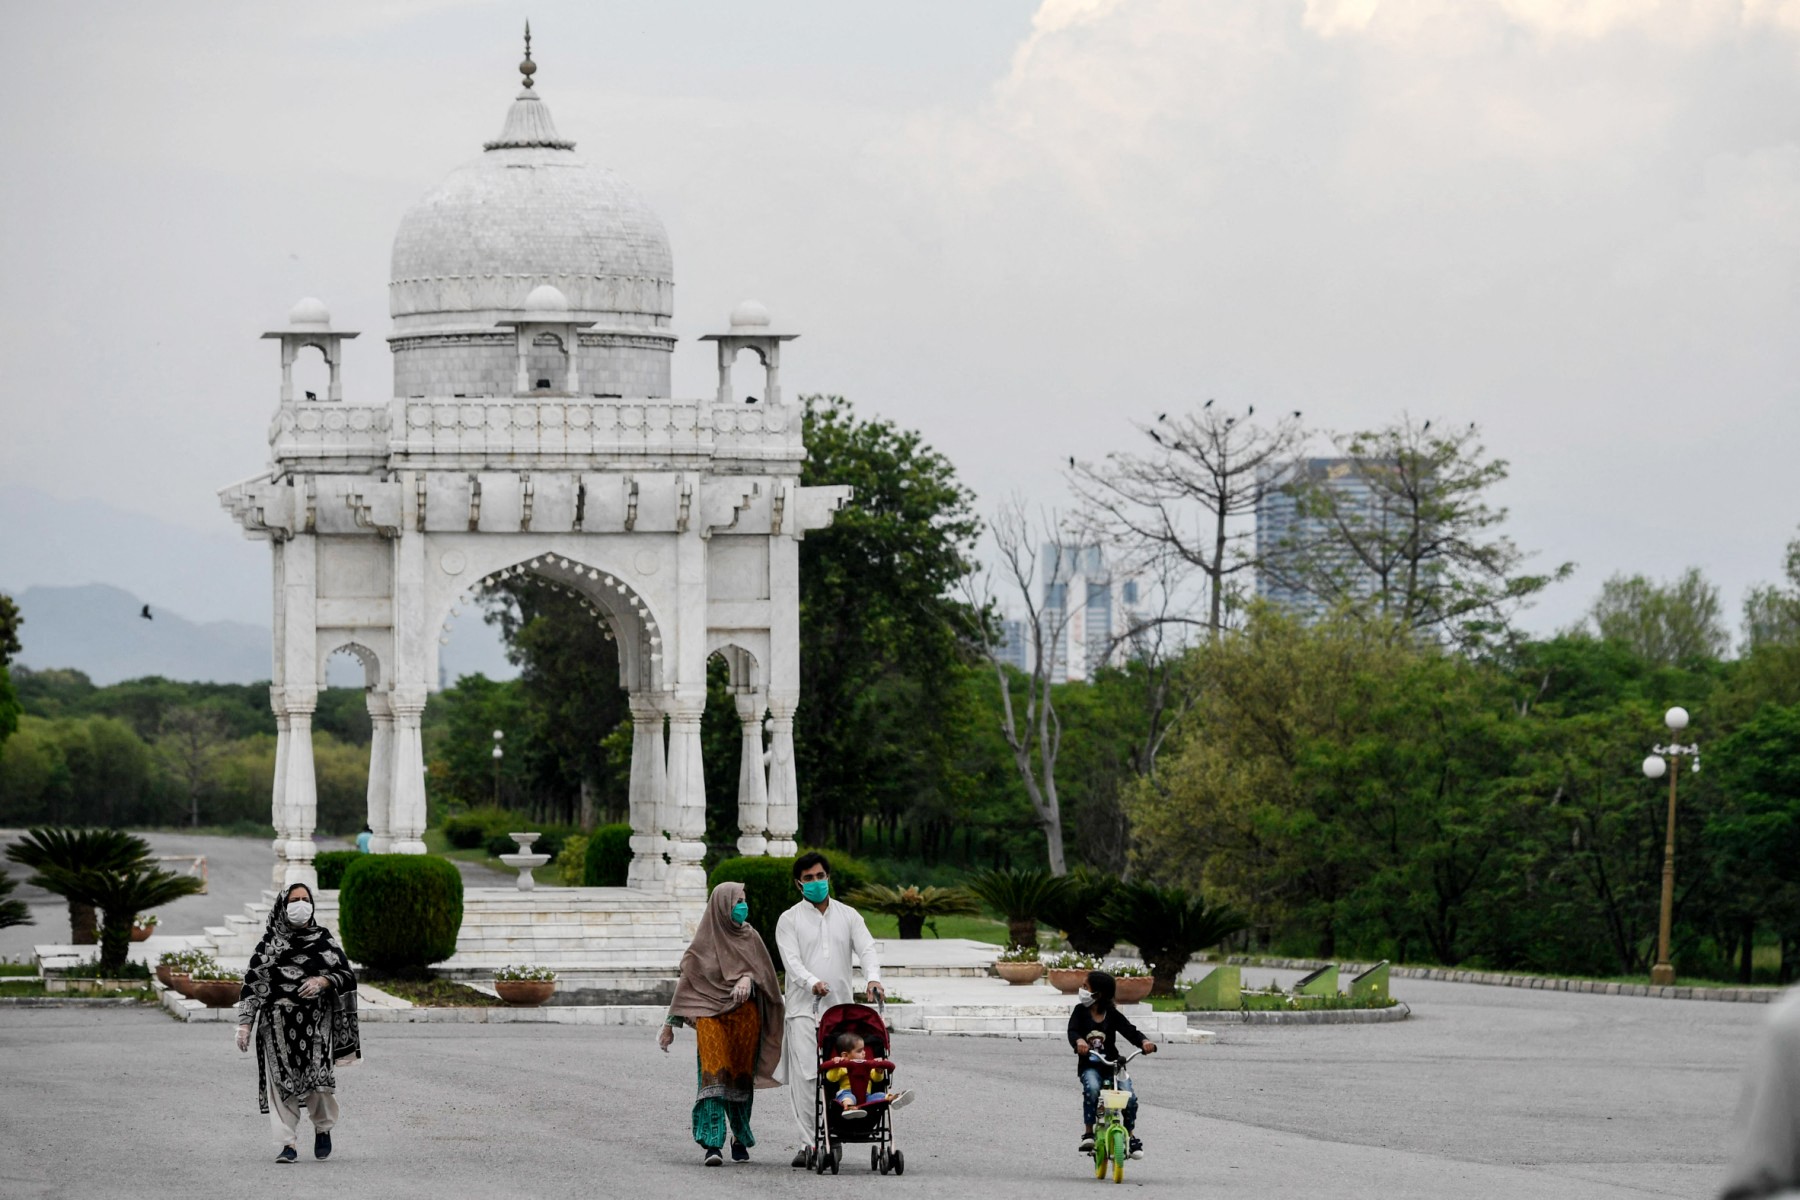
x=802 y=1158
x=739 y=1151
x=287 y=1155
x=713 y=1157
x=321 y=1145
x=1087 y=1144
x=1136 y=1149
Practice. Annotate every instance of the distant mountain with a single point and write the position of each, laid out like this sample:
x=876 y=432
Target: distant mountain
x=99 y=630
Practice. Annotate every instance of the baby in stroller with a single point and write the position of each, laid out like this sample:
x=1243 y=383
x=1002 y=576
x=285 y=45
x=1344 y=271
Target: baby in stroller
x=859 y=1078
x=855 y=1099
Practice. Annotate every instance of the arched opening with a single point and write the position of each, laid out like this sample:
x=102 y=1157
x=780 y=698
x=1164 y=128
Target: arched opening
x=749 y=377
x=547 y=364
x=312 y=374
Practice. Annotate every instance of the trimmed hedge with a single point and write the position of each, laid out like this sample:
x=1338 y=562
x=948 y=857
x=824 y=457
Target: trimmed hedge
x=608 y=857
x=331 y=865
x=400 y=911
x=769 y=887
x=469 y=830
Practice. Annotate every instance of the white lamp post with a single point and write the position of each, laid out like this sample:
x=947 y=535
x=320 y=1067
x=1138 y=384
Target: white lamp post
x=498 y=755
x=1666 y=760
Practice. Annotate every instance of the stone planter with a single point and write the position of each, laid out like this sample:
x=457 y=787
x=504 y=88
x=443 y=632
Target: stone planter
x=525 y=993
x=165 y=975
x=216 y=993
x=181 y=983
x=911 y=927
x=140 y=933
x=1134 y=988
x=1019 y=973
x=1068 y=980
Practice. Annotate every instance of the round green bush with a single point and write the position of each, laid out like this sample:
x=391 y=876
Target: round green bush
x=331 y=865
x=608 y=857
x=400 y=912
x=769 y=887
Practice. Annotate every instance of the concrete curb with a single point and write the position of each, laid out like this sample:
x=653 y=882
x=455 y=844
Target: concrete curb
x=73 y=1002
x=1595 y=987
x=1336 y=1016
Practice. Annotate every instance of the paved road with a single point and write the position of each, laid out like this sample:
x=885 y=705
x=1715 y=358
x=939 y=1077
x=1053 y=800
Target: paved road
x=1486 y=1092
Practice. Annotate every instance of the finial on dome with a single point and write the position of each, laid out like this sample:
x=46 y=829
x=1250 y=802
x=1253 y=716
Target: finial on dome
x=528 y=68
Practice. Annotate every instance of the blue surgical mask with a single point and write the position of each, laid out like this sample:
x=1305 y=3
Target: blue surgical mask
x=816 y=890
x=740 y=912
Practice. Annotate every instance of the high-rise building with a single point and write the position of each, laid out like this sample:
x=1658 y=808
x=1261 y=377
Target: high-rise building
x=1286 y=531
x=1104 y=609
x=1015 y=646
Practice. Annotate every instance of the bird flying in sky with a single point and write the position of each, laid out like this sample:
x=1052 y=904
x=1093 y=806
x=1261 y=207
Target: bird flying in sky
x=145 y=613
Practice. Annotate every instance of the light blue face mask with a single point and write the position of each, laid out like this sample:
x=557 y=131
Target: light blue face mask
x=816 y=890
x=740 y=912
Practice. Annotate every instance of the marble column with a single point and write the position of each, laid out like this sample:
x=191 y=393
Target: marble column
x=406 y=812
x=300 y=786
x=648 y=792
x=753 y=784
x=687 y=804
x=784 y=782
x=278 y=815
x=381 y=773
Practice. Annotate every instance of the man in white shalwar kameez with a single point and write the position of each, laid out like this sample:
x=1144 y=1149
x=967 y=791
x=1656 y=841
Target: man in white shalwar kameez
x=816 y=938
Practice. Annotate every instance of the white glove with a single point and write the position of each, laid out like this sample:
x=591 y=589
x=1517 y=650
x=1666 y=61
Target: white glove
x=243 y=1038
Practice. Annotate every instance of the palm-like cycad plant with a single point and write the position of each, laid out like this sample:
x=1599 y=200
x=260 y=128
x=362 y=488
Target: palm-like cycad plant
x=913 y=906
x=1168 y=927
x=67 y=850
x=12 y=912
x=121 y=895
x=1080 y=912
x=1021 y=897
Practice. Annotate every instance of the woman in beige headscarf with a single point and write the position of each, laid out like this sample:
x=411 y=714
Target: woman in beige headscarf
x=729 y=994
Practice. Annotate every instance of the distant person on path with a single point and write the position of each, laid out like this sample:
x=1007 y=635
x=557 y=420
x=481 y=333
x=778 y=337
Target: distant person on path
x=298 y=1003
x=816 y=937
x=1766 y=1160
x=729 y=994
x=363 y=839
x=1095 y=1029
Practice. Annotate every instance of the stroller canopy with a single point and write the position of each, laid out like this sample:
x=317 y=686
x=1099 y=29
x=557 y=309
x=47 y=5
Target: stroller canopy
x=859 y=1019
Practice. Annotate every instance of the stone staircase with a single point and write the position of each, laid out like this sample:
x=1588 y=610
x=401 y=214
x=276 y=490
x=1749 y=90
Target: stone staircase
x=594 y=932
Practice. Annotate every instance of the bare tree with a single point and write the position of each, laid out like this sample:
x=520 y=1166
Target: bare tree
x=1155 y=651
x=1402 y=529
x=1034 y=735
x=1186 y=499
x=190 y=741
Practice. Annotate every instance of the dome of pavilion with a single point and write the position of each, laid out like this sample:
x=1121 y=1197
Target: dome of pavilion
x=525 y=214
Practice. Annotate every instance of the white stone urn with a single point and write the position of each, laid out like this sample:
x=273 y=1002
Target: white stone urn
x=525 y=860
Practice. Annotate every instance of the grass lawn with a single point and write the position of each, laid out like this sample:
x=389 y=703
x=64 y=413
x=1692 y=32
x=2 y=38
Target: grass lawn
x=437 y=993
x=35 y=987
x=17 y=969
x=978 y=929
x=1680 y=979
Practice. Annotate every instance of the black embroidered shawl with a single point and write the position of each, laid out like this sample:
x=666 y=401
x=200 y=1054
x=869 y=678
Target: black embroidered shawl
x=298 y=1039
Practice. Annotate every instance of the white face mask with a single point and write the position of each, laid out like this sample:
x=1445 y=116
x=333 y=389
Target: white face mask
x=1085 y=996
x=299 y=912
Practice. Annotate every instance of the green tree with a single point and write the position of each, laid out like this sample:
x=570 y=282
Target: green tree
x=1665 y=625
x=12 y=912
x=190 y=742
x=10 y=708
x=880 y=709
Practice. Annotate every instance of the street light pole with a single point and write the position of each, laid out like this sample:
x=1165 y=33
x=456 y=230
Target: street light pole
x=498 y=755
x=1667 y=759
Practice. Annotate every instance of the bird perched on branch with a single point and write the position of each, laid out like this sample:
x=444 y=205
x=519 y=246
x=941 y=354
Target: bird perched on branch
x=1154 y=438
x=1071 y=460
x=1251 y=412
x=1208 y=404
x=1424 y=427
x=1162 y=416
x=1296 y=412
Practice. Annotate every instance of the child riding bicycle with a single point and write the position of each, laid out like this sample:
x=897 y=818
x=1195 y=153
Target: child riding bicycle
x=1095 y=1028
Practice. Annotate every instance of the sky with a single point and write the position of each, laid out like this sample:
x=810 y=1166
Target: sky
x=1018 y=226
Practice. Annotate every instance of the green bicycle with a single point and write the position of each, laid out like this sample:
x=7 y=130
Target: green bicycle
x=1112 y=1143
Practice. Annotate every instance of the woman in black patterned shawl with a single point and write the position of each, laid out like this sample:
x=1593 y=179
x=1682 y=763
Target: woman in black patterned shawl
x=299 y=1004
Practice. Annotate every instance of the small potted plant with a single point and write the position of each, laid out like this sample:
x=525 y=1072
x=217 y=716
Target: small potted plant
x=1069 y=971
x=142 y=927
x=526 y=987
x=1134 y=980
x=167 y=963
x=183 y=966
x=1019 y=965
x=215 y=986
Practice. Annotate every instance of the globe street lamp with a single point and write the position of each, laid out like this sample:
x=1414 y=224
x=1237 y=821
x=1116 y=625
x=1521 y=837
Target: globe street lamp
x=498 y=755
x=1666 y=760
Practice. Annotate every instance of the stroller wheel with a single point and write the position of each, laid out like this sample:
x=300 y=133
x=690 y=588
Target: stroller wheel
x=875 y=1159
x=899 y=1162
x=837 y=1157
x=820 y=1157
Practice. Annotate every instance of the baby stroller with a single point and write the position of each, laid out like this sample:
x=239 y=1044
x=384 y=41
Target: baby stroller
x=832 y=1128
